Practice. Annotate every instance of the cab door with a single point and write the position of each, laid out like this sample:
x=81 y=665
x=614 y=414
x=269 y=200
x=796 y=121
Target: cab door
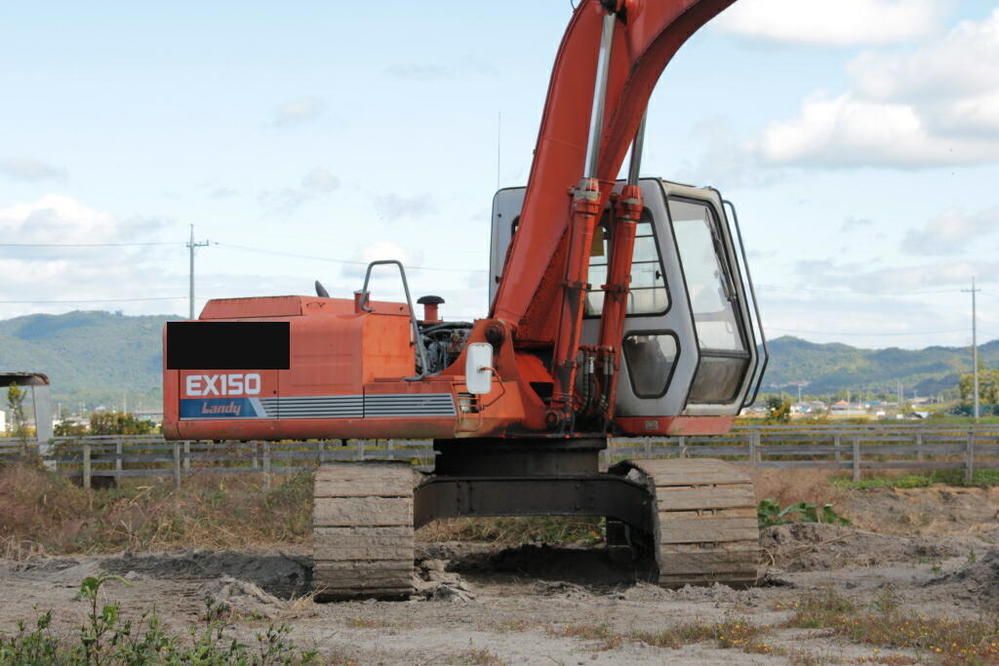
x=687 y=347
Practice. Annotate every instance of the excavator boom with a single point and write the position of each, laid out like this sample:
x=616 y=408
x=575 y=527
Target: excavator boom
x=646 y=35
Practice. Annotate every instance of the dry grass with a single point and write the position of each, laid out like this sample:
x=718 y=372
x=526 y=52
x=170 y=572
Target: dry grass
x=477 y=656
x=516 y=530
x=45 y=513
x=792 y=486
x=974 y=641
x=737 y=633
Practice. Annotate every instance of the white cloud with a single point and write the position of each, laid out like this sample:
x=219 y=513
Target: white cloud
x=73 y=274
x=835 y=22
x=56 y=218
x=964 y=62
x=933 y=106
x=285 y=201
x=396 y=206
x=896 y=281
x=848 y=132
x=951 y=232
x=30 y=170
x=416 y=72
x=298 y=111
x=320 y=181
x=387 y=275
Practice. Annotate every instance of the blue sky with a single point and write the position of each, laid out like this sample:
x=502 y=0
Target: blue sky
x=859 y=140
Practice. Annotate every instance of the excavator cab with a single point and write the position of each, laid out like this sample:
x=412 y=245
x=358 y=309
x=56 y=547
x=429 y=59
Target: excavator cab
x=692 y=344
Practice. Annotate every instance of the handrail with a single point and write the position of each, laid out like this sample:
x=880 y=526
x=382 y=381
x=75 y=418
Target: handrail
x=417 y=338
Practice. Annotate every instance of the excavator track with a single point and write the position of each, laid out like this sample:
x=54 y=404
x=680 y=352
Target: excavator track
x=704 y=523
x=362 y=527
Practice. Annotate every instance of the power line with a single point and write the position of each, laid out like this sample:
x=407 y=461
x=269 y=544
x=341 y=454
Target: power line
x=101 y=300
x=295 y=255
x=853 y=292
x=81 y=245
x=792 y=330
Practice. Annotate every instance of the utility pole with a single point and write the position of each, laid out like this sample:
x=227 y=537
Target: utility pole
x=974 y=342
x=191 y=245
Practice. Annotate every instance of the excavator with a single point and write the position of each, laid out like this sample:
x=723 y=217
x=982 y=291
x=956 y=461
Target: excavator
x=619 y=308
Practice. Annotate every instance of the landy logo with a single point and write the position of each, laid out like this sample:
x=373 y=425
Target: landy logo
x=235 y=384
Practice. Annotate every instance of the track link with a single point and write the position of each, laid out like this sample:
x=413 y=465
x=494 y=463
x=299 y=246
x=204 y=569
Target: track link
x=704 y=524
x=362 y=527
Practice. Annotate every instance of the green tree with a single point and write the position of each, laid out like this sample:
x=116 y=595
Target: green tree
x=18 y=423
x=119 y=423
x=67 y=428
x=779 y=410
x=988 y=386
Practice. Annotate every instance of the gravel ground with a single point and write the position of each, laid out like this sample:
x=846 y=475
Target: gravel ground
x=534 y=604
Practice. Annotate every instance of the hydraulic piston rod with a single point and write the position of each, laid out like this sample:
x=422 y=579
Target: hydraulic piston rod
x=587 y=204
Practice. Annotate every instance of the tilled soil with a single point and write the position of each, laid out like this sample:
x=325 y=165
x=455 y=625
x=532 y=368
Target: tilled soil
x=535 y=604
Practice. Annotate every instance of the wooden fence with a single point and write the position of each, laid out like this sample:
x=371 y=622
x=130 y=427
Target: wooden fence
x=852 y=448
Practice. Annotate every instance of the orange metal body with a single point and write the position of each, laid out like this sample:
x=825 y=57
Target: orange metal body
x=338 y=352
x=350 y=374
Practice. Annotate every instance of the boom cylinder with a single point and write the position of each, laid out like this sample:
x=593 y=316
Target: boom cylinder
x=628 y=212
x=587 y=204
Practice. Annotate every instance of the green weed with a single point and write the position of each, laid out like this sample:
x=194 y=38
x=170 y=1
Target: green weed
x=107 y=639
x=769 y=513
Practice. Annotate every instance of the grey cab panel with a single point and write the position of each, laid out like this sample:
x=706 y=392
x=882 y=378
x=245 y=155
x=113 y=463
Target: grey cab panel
x=689 y=343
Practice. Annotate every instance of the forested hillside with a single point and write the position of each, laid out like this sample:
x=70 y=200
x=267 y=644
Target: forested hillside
x=829 y=368
x=99 y=358
x=95 y=358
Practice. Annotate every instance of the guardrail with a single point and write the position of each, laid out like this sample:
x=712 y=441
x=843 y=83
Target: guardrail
x=854 y=448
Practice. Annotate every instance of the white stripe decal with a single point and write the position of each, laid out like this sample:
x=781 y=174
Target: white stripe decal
x=383 y=405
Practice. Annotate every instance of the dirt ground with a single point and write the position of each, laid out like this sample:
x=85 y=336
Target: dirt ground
x=936 y=550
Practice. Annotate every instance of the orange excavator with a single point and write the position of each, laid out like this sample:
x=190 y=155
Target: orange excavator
x=618 y=308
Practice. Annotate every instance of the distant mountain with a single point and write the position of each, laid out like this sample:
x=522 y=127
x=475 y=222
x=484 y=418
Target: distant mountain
x=100 y=358
x=94 y=358
x=829 y=368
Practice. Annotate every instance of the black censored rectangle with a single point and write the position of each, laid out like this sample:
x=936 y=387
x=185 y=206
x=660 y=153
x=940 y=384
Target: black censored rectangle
x=228 y=345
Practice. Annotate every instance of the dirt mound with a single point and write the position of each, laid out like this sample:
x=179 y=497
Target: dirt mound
x=246 y=599
x=818 y=546
x=281 y=575
x=978 y=579
x=918 y=511
x=431 y=580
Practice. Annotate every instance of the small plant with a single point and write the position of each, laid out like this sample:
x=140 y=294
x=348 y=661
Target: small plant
x=107 y=639
x=35 y=647
x=819 y=609
x=770 y=513
x=888 y=601
x=18 y=423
